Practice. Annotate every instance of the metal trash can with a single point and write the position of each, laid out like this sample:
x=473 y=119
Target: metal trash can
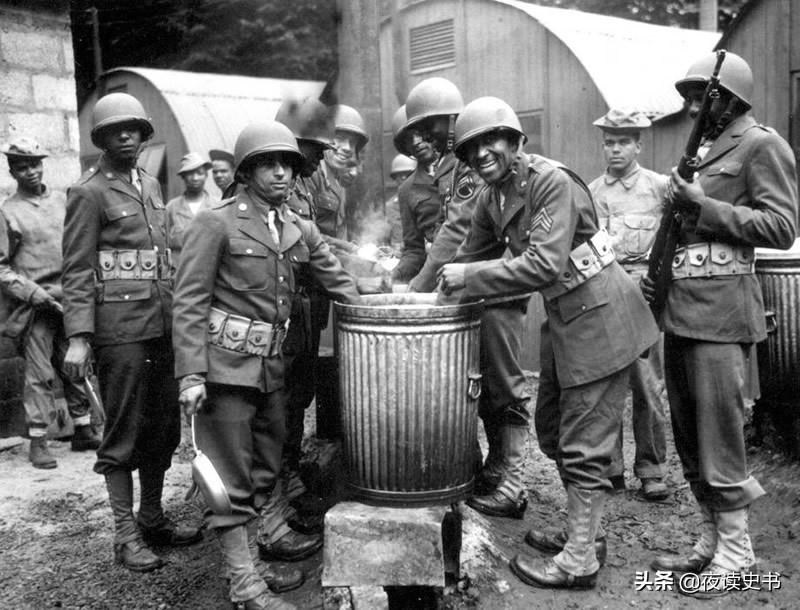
x=409 y=383
x=778 y=272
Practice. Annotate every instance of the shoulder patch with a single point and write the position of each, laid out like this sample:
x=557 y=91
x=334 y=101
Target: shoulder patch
x=465 y=187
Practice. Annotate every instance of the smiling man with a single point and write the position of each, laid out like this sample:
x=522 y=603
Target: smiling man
x=629 y=201
x=597 y=320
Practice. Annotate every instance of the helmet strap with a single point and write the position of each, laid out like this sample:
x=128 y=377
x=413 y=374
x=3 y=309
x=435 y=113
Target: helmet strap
x=451 y=133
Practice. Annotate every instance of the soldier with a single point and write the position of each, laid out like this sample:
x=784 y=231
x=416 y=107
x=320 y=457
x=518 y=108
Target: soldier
x=221 y=168
x=234 y=292
x=418 y=200
x=744 y=195
x=629 y=201
x=597 y=321
x=31 y=225
x=432 y=107
x=117 y=299
x=399 y=171
x=180 y=210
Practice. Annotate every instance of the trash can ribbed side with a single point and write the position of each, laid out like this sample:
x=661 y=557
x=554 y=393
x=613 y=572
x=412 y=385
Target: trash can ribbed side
x=409 y=378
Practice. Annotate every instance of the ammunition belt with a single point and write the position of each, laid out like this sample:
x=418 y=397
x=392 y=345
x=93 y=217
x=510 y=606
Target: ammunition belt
x=708 y=259
x=134 y=264
x=244 y=335
x=585 y=261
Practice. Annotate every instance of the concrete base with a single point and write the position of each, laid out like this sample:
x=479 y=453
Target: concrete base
x=369 y=546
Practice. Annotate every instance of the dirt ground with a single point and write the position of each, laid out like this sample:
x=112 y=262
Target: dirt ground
x=56 y=543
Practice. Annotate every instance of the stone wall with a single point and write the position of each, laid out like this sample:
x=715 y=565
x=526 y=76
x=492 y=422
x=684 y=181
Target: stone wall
x=37 y=99
x=37 y=87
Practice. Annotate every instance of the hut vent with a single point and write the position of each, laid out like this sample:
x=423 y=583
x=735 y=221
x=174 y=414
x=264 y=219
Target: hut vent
x=432 y=46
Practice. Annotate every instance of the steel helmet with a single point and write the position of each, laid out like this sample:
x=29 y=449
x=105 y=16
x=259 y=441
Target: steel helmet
x=433 y=97
x=398 y=127
x=402 y=164
x=482 y=115
x=309 y=119
x=735 y=76
x=116 y=108
x=350 y=120
x=266 y=137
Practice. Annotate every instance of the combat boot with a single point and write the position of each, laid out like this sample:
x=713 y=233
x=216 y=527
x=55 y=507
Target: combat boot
x=276 y=539
x=491 y=474
x=702 y=552
x=278 y=578
x=248 y=591
x=84 y=439
x=576 y=566
x=129 y=550
x=553 y=542
x=508 y=500
x=40 y=455
x=733 y=557
x=156 y=528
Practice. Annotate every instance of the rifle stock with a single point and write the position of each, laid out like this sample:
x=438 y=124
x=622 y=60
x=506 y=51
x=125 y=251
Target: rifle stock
x=659 y=263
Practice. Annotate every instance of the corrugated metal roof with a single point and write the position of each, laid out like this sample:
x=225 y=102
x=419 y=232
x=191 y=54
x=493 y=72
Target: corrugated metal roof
x=212 y=109
x=633 y=64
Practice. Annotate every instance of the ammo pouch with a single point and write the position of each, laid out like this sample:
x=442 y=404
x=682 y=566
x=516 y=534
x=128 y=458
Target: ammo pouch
x=707 y=259
x=240 y=334
x=134 y=264
x=585 y=261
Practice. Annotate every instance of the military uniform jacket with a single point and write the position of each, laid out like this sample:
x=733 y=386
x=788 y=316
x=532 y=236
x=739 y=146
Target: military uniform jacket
x=179 y=215
x=231 y=262
x=329 y=201
x=421 y=214
x=459 y=187
x=30 y=244
x=630 y=208
x=750 y=184
x=598 y=327
x=106 y=212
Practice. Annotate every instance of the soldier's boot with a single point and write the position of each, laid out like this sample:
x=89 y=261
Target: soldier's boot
x=733 y=557
x=553 y=542
x=276 y=539
x=84 y=439
x=576 y=566
x=702 y=551
x=305 y=523
x=509 y=499
x=129 y=549
x=493 y=469
x=156 y=528
x=247 y=589
x=278 y=578
x=40 y=455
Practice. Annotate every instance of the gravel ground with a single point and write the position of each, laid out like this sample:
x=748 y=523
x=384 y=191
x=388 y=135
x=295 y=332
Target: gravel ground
x=56 y=543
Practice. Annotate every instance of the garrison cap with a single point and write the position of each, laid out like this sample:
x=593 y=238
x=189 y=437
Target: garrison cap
x=617 y=120
x=217 y=154
x=24 y=148
x=192 y=161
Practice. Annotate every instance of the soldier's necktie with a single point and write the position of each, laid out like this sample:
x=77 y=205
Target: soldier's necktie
x=273 y=228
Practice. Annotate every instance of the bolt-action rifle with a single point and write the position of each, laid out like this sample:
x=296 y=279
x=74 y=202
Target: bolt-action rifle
x=659 y=266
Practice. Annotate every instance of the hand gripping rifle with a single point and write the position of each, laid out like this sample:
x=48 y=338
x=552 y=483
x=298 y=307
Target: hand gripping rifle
x=659 y=266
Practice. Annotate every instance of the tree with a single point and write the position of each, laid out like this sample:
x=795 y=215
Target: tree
x=248 y=37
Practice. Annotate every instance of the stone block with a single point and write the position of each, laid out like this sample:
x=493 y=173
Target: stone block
x=60 y=171
x=48 y=128
x=369 y=598
x=377 y=546
x=40 y=51
x=51 y=92
x=69 y=57
x=15 y=89
x=73 y=132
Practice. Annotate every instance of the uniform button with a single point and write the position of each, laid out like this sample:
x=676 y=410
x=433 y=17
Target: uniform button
x=507 y=240
x=109 y=175
x=280 y=278
x=585 y=261
x=722 y=255
x=242 y=206
x=150 y=227
x=699 y=257
x=249 y=251
x=523 y=183
x=282 y=301
x=126 y=297
x=280 y=256
x=583 y=307
x=124 y=213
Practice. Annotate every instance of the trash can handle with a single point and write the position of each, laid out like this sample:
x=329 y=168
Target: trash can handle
x=474 y=389
x=771 y=319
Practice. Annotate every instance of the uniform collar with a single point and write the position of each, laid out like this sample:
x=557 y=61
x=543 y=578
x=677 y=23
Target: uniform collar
x=628 y=180
x=33 y=199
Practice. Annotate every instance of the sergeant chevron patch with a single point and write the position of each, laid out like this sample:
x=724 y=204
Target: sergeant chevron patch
x=465 y=187
x=542 y=220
